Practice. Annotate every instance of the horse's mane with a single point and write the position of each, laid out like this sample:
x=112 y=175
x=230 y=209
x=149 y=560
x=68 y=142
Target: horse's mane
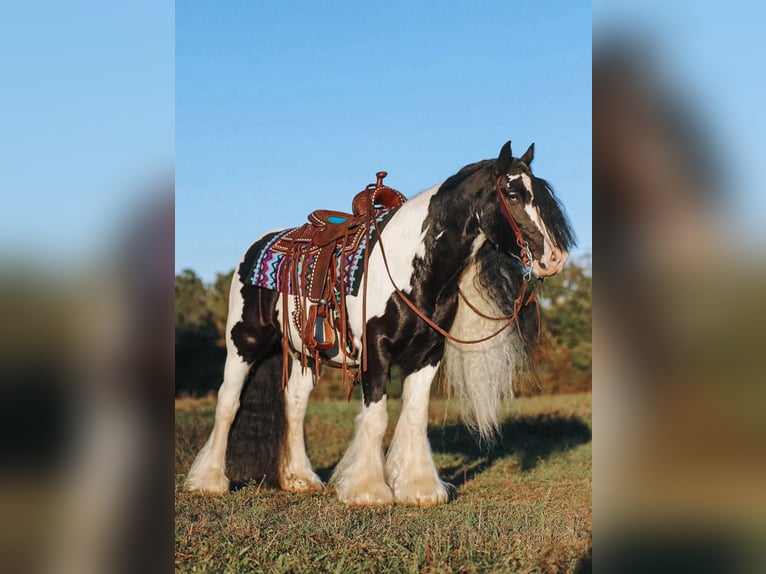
x=550 y=208
x=469 y=170
x=553 y=213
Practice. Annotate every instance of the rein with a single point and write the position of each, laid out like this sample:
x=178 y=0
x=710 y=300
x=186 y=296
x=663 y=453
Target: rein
x=526 y=259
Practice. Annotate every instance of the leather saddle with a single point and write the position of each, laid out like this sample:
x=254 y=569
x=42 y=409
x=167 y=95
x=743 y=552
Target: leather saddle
x=324 y=240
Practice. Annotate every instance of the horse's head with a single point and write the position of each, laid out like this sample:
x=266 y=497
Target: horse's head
x=523 y=217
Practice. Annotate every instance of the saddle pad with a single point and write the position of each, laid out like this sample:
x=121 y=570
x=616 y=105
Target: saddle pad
x=267 y=271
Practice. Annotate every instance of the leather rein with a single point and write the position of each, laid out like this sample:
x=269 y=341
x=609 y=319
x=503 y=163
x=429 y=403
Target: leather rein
x=526 y=260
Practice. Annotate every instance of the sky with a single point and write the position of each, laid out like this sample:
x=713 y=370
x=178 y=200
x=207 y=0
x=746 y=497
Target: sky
x=283 y=108
x=87 y=124
x=710 y=57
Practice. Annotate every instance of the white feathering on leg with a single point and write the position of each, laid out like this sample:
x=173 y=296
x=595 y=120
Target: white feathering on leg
x=208 y=471
x=410 y=469
x=358 y=478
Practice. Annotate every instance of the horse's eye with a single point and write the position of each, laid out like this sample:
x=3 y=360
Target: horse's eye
x=514 y=197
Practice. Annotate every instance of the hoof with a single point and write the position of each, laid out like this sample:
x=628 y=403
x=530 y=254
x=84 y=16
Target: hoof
x=378 y=495
x=213 y=481
x=303 y=484
x=422 y=493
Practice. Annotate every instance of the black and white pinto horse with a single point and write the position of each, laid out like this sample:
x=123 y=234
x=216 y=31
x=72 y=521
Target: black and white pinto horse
x=455 y=255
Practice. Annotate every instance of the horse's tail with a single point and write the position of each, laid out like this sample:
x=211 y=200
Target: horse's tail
x=257 y=439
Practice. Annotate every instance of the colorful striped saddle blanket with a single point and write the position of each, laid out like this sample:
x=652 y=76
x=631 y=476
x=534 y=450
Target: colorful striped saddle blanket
x=269 y=270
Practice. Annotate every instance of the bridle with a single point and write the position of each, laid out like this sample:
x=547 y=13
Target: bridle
x=526 y=254
x=519 y=302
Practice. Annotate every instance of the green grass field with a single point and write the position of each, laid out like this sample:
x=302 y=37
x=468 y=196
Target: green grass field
x=522 y=505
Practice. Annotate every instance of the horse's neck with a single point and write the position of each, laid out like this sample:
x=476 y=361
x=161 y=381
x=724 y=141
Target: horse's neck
x=440 y=218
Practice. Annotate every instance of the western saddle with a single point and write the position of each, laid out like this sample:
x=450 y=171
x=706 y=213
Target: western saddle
x=314 y=266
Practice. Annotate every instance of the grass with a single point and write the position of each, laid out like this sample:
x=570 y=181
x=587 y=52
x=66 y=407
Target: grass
x=521 y=505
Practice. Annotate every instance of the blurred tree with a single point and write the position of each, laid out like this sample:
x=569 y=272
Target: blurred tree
x=199 y=361
x=218 y=304
x=192 y=313
x=568 y=308
x=566 y=350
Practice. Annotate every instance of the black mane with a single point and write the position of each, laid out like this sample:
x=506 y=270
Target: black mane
x=553 y=214
x=545 y=198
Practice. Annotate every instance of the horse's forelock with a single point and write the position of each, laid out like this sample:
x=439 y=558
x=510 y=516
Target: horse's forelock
x=553 y=214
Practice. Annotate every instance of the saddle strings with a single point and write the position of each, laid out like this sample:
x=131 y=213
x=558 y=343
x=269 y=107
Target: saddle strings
x=300 y=321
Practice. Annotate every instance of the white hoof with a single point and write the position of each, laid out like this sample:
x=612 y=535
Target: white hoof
x=304 y=483
x=423 y=492
x=211 y=481
x=377 y=495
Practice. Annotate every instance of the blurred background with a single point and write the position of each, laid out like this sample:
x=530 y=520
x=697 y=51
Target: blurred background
x=86 y=293
x=679 y=410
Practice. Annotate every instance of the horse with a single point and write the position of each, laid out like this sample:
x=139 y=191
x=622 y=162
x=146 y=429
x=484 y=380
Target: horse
x=447 y=287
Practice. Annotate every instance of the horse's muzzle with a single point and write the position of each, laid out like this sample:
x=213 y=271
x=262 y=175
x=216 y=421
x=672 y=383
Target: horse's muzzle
x=552 y=264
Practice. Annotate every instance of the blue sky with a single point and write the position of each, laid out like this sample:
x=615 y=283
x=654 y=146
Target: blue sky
x=86 y=129
x=712 y=60
x=282 y=108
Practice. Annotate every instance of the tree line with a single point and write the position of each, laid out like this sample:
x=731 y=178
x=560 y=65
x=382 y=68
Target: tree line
x=563 y=362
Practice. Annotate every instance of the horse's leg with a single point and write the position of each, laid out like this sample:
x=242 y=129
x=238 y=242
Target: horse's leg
x=296 y=474
x=359 y=477
x=410 y=469
x=208 y=473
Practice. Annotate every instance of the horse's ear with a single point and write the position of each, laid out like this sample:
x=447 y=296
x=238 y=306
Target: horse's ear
x=529 y=155
x=503 y=163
